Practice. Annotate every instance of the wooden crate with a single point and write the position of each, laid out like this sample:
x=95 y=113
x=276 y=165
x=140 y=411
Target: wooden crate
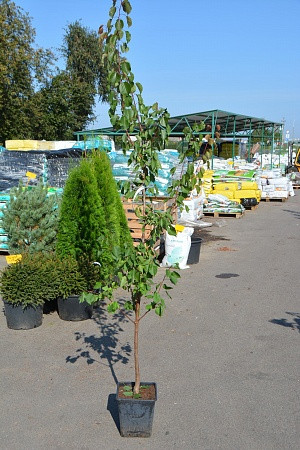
x=134 y=223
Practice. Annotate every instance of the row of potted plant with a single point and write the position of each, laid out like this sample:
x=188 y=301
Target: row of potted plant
x=37 y=279
x=88 y=206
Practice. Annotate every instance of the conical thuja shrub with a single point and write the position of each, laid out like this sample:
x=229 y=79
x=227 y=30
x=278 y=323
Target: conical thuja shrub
x=116 y=220
x=82 y=222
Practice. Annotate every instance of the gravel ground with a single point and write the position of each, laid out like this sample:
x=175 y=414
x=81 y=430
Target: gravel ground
x=225 y=355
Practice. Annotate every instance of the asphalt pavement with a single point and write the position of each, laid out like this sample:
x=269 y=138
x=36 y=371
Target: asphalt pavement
x=225 y=355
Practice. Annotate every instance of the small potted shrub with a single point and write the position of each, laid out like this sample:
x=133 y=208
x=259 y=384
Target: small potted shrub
x=71 y=283
x=24 y=288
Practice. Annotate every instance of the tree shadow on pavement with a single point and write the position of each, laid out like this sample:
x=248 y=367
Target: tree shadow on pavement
x=294 y=323
x=103 y=348
x=296 y=214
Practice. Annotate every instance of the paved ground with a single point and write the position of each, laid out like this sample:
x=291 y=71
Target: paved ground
x=225 y=355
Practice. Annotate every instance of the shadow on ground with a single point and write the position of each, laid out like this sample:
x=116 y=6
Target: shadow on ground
x=296 y=214
x=104 y=347
x=208 y=236
x=293 y=323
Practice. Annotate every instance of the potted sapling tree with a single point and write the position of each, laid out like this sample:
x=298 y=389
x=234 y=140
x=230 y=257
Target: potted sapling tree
x=136 y=266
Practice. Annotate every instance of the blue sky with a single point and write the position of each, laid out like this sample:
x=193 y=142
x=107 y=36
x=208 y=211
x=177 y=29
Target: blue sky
x=193 y=56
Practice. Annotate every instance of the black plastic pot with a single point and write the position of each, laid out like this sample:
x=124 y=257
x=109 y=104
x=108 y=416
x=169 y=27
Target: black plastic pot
x=18 y=318
x=194 y=254
x=136 y=415
x=71 y=309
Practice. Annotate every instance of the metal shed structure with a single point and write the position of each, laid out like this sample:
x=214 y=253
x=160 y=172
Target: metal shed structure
x=232 y=126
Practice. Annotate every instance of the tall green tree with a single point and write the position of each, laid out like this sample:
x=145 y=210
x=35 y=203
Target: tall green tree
x=23 y=69
x=67 y=103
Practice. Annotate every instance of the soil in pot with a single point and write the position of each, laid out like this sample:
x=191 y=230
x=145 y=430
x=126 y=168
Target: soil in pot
x=71 y=309
x=136 y=414
x=18 y=318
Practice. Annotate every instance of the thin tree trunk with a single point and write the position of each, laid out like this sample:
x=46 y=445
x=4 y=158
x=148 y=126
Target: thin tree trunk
x=137 y=383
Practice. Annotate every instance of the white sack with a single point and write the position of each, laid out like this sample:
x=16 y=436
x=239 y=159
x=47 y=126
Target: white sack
x=177 y=248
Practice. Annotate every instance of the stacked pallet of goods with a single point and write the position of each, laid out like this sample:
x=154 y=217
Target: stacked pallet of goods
x=218 y=205
x=273 y=185
x=239 y=186
x=168 y=159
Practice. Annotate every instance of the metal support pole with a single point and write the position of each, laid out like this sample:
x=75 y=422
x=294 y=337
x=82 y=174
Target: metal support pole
x=233 y=141
x=272 y=147
x=262 y=144
x=213 y=127
x=249 y=140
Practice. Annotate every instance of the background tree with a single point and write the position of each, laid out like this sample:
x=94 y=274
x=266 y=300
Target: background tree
x=67 y=103
x=23 y=68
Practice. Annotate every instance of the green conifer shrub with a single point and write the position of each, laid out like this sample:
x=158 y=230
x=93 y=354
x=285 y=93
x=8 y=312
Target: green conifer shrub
x=81 y=217
x=30 y=219
x=31 y=281
x=116 y=220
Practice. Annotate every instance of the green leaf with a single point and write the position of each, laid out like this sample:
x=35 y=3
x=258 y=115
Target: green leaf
x=128 y=305
x=174 y=277
x=139 y=86
x=112 y=11
x=127 y=388
x=126 y=6
x=128 y=394
x=113 y=307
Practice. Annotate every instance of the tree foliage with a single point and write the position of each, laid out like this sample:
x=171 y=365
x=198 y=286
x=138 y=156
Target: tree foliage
x=23 y=69
x=36 y=101
x=66 y=104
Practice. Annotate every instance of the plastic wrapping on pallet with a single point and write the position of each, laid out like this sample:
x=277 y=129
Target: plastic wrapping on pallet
x=51 y=166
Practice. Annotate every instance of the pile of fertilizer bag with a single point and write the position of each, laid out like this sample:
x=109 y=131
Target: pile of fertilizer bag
x=168 y=159
x=220 y=203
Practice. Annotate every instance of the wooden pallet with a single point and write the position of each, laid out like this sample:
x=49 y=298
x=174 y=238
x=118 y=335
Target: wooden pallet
x=223 y=214
x=296 y=186
x=268 y=199
x=251 y=208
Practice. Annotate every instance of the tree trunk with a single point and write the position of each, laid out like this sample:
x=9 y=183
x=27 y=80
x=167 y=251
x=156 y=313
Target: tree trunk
x=137 y=380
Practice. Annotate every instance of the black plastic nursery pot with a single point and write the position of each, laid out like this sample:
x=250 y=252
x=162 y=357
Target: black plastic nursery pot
x=136 y=415
x=18 y=318
x=71 y=309
x=194 y=254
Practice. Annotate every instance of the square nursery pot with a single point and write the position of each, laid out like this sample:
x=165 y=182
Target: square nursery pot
x=194 y=254
x=136 y=415
x=18 y=318
x=71 y=309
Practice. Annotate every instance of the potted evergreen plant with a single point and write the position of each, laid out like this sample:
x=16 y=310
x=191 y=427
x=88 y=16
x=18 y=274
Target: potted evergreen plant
x=30 y=219
x=91 y=222
x=24 y=288
x=70 y=282
x=137 y=266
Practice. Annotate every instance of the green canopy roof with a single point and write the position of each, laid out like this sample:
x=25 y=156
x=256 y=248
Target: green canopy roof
x=232 y=125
